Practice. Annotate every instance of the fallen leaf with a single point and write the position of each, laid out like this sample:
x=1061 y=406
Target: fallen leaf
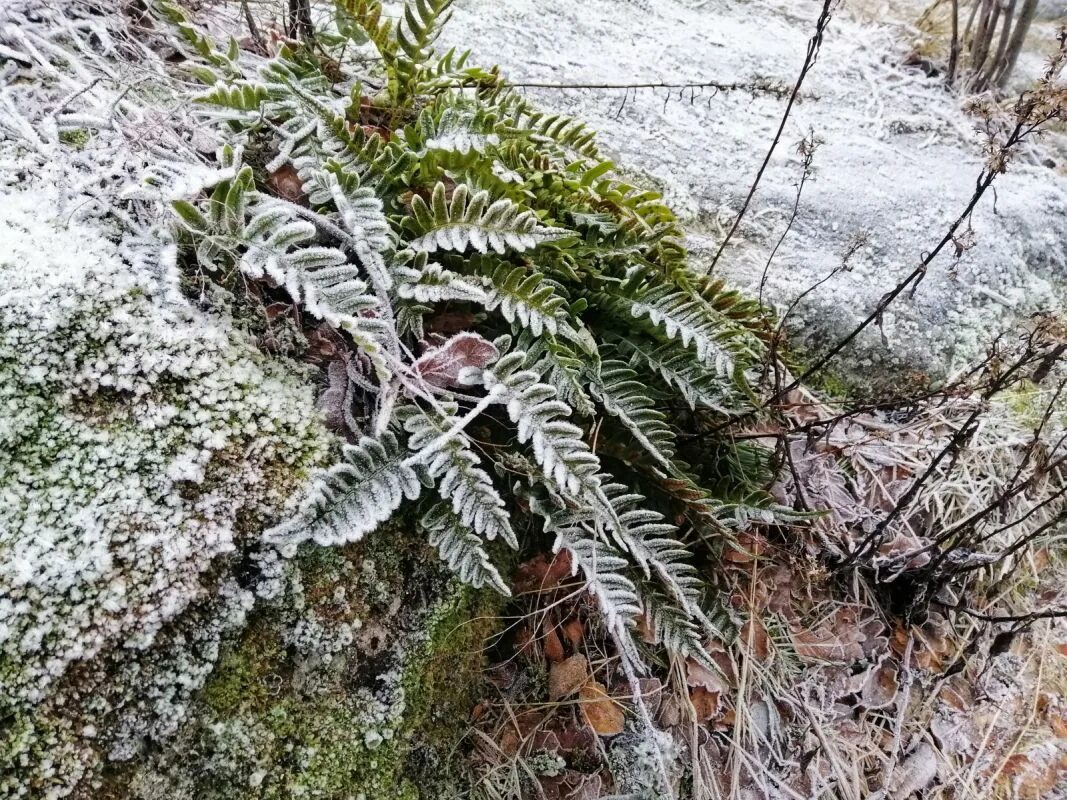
x=755 y=639
x=567 y=676
x=542 y=572
x=551 y=643
x=286 y=184
x=601 y=712
x=441 y=366
x=573 y=632
x=705 y=703
x=881 y=687
x=698 y=675
x=915 y=773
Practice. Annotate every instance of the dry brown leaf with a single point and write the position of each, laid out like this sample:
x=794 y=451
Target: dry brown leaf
x=551 y=642
x=601 y=712
x=442 y=364
x=1058 y=723
x=567 y=677
x=881 y=687
x=749 y=547
x=286 y=184
x=755 y=639
x=696 y=674
x=705 y=703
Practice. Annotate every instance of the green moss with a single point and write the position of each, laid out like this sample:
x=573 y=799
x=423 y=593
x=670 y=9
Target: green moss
x=383 y=718
x=76 y=138
x=241 y=679
x=443 y=682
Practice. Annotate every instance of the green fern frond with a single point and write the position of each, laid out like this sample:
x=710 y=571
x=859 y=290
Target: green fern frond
x=692 y=321
x=242 y=96
x=525 y=297
x=617 y=389
x=472 y=221
x=365 y=17
x=539 y=418
x=461 y=550
x=459 y=478
x=431 y=283
x=698 y=385
x=559 y=365
x=355 y=496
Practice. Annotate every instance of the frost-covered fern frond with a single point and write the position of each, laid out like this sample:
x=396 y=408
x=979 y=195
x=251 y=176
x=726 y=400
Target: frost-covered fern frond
x=362 y=217
x=525 y=297
x=563 y=366
x=461 y=550
x=269 y=240
x=355 y=496
x=431 y=283
x=557 y=348
x=617 y=389
x=539 y=419
x=699 y=385
x=459 y=477
x=471 y=220
x=604 y=571
x=689 y=319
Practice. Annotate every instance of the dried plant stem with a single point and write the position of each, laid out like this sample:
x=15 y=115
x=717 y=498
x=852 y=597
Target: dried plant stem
x=809 y=61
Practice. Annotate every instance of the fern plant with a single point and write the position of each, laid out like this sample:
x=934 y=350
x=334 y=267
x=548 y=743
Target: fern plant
x=589 y=343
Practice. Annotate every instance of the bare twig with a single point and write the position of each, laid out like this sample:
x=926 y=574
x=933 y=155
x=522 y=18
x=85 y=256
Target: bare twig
x=809 y=61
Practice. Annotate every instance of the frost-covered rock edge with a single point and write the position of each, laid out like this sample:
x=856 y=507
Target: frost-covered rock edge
x=145 y=443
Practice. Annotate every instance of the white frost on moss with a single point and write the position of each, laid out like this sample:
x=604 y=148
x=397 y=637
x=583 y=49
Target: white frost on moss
x=135 y=436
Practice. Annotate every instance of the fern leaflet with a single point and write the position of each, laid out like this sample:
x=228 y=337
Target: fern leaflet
x=355 y=496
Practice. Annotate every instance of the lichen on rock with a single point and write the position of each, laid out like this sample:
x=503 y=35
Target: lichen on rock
x=286 y=714
x=141 y=441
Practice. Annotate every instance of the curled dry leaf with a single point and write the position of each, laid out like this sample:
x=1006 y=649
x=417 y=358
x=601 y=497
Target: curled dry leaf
x=697 y=675
x=440 y=366
x=567 y=676
x=285 y=183
x=573 y=632
x=603 y=714
x=550 y=641
x=749 y=547
x=916 y=773
x=881 y=686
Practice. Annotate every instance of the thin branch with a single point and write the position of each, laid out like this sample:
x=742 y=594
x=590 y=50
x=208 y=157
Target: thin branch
x=809 y=61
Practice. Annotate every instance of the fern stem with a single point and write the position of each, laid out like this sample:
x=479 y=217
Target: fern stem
x=441 y=441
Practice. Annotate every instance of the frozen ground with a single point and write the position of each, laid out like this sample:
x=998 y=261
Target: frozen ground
x=898 y=163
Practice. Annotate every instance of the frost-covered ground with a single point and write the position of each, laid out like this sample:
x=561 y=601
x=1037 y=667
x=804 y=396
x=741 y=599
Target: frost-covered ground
x=898 y=163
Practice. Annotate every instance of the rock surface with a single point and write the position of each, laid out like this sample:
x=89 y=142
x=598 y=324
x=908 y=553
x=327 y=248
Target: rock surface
x=898 y=162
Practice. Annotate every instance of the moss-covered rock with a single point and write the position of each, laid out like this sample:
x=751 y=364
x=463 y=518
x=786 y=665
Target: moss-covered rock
x=143 y=448
x=356 y=682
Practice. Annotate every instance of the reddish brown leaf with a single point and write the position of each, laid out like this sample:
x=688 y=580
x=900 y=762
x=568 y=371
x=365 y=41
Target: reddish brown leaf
x=551 y=642
x=705 y=703
x=601 y=712
x=285 y=183
x=440 y=366
x=573 y=632
x=543 y=572
x=567 y=677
